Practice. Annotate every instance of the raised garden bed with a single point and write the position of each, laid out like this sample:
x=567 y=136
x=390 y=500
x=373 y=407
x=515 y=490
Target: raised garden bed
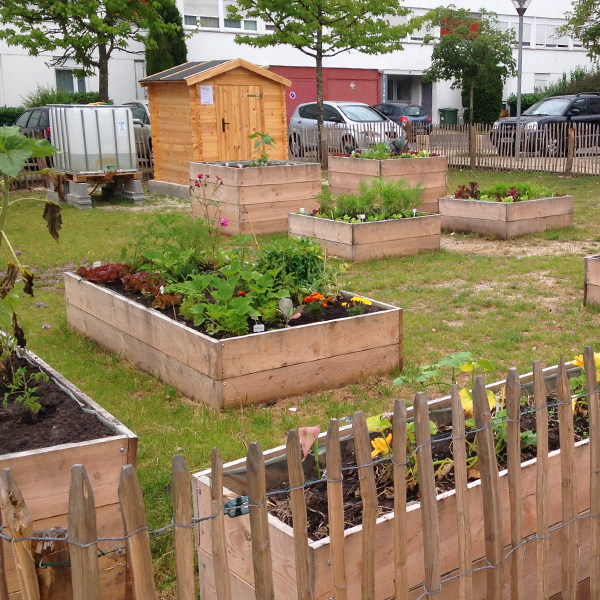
x=238 y=370
x=258 y=199
x=377 y=239
x=345 y=174
x=237 y=530
x=505 y=219
x=44 y=474
x=591 y=286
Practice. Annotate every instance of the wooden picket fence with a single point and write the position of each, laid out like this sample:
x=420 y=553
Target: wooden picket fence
x=500 y=562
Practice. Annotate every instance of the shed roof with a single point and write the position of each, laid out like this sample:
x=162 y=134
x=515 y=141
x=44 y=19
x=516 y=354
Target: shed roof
x=195 y=72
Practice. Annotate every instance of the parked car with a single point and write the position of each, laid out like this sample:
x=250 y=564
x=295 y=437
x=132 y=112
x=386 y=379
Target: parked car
x=544 y=125
x=35 y=121
x=141 y=124
x=404 y=113
x=351 y=125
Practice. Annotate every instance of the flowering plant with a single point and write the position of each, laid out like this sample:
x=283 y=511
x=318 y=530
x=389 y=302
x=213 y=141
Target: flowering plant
x=206 y=193
x=356 y=305
x=579 y=400
x=316 y=302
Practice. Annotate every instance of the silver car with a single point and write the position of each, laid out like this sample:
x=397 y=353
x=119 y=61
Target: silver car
x=350 y=125
x=141 y=125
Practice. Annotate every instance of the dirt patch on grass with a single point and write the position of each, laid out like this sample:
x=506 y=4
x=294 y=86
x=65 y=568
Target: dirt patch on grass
x=520 y=247
x=53 y=276
x=153 y=204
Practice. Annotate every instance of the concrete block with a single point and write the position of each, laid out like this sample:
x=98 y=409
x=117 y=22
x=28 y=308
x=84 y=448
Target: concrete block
x=82 y=202
x=176 y=190
x=78 y=189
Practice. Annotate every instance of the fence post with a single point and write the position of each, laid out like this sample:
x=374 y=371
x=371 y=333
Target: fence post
x=570 y=548
x=570 y=153
x=20 y=524
x=399 y=435
x=335 y=504
x=459 y=454
x=591 y=380
x=3 y=586
x=429 y=513
x=541 y=487
x=81 y=521
x=513 y=436
x=300 y=522
x=138 y=544
x=181 y=493
x=492 y=511
x=368 y=494
x=259 y=524
x=325 y=148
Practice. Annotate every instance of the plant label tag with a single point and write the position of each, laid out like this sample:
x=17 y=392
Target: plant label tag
x=362 y=217
x=258 y=328
x=97 y=264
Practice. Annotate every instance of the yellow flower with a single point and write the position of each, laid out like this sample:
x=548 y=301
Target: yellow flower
x=578 y=362
x=361 y=300
x=344 y=304
x=381 y=446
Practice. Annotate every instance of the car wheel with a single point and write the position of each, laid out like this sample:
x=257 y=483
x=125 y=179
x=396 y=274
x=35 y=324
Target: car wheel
x=295 y=146
x=348 y=144
x=553 y=147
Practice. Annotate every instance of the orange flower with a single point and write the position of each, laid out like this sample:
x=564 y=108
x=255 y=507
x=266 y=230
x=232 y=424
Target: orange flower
x=242 y=293
x=324 y=304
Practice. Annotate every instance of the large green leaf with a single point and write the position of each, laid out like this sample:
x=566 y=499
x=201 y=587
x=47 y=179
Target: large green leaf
x=16 y=149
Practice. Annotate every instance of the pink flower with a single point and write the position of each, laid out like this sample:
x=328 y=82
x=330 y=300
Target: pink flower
x=45 y=326
x=197 y=184
x=223 y=222
x=200 y=176
x=218 y=178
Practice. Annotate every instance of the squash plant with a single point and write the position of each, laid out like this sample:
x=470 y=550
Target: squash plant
x=15 y=150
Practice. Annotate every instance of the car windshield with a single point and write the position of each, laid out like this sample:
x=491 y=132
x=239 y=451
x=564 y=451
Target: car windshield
x=413 y=111
x=359 y=113
x=549 y=106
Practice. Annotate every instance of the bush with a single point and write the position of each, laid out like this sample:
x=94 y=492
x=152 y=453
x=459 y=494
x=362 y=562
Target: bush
x=527 y=100
x=48 y=95
x=9 y=114
x=487 y=100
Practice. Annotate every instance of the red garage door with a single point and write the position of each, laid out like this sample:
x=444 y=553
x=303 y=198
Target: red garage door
x=302 y=90
x=365 y=90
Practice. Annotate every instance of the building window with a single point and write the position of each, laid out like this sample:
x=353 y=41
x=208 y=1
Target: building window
x=250 y=26
x=66 y=81
x=540 y=81
x=546 y=37
x=233 y=24
x=398 y=88
x=269 y=27
x=201 y=13
x=189 y=20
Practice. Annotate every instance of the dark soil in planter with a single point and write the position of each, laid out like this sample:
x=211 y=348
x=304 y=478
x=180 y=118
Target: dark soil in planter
x=316 y=494
x=59 y=421
x=332 y=312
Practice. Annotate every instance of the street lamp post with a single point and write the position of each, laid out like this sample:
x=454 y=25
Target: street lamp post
x=521 y=6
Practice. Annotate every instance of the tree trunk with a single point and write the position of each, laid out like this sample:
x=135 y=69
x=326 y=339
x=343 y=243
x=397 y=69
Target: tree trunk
x=319 y=58
x=103 y=73
x=471 y=144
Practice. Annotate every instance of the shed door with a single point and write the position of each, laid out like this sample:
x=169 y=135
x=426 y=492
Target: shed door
x=240 y=109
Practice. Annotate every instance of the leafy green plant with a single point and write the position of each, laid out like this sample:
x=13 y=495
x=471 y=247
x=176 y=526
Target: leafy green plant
x=503 y=192
x=20 y=385
x=44 y=95
x=15 y=150
x=9 y=114
x=288 y=312
x=261 y=141
x=380 y=151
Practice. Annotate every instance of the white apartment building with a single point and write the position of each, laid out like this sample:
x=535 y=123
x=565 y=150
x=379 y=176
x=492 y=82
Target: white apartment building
x=349 y=76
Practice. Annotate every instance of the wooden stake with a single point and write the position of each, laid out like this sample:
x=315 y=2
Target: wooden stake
x=259 y=524
x=138 y=545
x=429 y=516
x=459 y=452
x=541 y=488
x=82 y=529
x=399 y=442
x=299 y=518
x=20 y=525
x=3 y=586
x=368 y=492
x=513 y=434
x=181 y=493
x=335 y=504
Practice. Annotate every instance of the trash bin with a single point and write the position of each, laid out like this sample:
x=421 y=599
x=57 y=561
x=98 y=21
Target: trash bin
x=448 y=116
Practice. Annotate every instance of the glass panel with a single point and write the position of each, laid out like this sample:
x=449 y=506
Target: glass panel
x=81 y=85
x=44 y=119
x=331 y=114
x=211 y=22
x=269 y=27
x=551 y=106
x=35 y=118
x=540 y=35
x=594 y=104
x=308 y=112
x=189 y=20
x=359 y=113
x=22 y=120
x=413 y=111
x=581 y=105
x=64 y=80
x=233 y=24
x=250 y=25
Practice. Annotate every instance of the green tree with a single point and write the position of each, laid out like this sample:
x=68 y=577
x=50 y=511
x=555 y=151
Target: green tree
x=325 y=28
x=487 y=99
x=86 y=31
x=471 y=48
x=168 y=47
x=583 y=23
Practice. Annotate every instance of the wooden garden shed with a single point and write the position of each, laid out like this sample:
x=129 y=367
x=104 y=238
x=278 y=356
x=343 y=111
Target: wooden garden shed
x=205 y=111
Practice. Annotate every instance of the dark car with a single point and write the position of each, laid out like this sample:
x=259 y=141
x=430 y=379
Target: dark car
x=404 y=113
x=35 y=120
x=545 y=124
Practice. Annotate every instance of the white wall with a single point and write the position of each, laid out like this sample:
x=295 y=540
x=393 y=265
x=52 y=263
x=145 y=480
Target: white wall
x=20 y=74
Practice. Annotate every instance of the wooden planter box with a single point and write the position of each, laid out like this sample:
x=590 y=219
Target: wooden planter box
x=258 y=199
x=363 y=241
x=241 y=370
x=591 y=286
x=345 y=174
x=506 y=219
x=44 y=476
x=282 y=542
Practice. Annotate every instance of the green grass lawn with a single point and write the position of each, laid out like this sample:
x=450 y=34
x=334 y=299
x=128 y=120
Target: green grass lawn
x=511 y=302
